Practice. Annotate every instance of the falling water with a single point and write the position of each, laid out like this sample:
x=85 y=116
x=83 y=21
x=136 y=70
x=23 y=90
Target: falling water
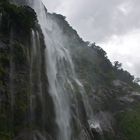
x=61 y=75
x=60 y=72
x=35 y=75
x=56 y=55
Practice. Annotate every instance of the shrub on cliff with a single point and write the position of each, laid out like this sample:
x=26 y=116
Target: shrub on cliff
x=21 y=18
x=129 y=123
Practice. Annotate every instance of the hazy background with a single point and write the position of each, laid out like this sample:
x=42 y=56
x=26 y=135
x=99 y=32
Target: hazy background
x=112 y=24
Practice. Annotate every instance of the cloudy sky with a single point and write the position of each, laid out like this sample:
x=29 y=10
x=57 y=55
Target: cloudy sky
x=112 y=24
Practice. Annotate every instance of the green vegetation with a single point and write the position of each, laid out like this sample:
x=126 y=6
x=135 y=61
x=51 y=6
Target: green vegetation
x=122 y=74
x=129 y=124
x=20 y=18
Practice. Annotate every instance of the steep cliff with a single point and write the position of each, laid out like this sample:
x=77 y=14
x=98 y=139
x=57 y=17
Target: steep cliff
x=55 y=86
x=23 y=80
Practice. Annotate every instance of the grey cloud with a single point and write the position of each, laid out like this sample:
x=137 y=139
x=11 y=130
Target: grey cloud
x=96 y=20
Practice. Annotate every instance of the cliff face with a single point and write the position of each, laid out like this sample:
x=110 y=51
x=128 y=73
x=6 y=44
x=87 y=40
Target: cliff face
x=55 y=86
x=23 y=80
x=111 y=91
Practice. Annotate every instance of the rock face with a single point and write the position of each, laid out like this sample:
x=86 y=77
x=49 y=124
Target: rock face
x=24 y=96
x=55 y=86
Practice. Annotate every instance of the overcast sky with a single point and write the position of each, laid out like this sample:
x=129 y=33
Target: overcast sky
x=112 y=24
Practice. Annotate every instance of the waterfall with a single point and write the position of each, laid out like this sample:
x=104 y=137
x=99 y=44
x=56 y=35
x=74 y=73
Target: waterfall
x=61 y=73
x=35 y=66
x=56 y=55
x=64 y=85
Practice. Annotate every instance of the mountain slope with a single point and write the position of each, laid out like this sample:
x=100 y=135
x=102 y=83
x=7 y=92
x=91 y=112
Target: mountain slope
x=99 y=100
x=112 y=91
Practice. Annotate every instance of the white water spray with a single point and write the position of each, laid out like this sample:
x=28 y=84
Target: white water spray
x=60 y=72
